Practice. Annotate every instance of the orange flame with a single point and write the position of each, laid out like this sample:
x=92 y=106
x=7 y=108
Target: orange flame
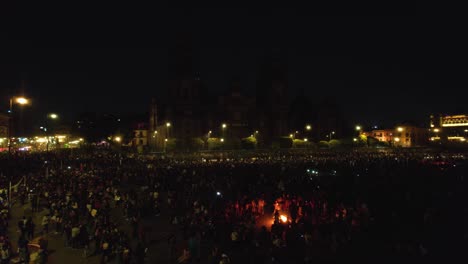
x=283 y=218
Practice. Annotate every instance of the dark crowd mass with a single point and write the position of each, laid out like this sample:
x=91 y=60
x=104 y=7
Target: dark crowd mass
x=386 y=206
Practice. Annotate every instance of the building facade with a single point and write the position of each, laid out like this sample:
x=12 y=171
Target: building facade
x=383 y=135
x=4 y=125
x=236 y=114
x=401 y=136
x=449 y=127
x=410 y=136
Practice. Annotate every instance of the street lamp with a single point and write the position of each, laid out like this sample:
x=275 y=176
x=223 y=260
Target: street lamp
x=52 y=116
x=359 y=129
x=168 y=125
x=308 y=127
x=20 y=101
x=224 y=126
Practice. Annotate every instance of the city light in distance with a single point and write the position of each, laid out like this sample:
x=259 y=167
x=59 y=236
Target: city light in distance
x=168 y=124
x=53 y=116
x=397 y=139
x=358 y=128
x=118 y=139
x=308 y=127
x=399 y=129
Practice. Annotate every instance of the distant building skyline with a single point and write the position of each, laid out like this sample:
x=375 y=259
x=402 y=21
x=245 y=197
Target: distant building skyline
x=377 y=69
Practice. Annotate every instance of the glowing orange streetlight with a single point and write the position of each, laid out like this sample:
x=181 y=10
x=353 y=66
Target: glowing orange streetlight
x=21 y=100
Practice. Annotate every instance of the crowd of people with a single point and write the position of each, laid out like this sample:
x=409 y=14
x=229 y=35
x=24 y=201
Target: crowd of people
x=264 y=207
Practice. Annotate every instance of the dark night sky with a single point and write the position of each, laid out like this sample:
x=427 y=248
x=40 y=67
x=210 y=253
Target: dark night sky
x=380 y=69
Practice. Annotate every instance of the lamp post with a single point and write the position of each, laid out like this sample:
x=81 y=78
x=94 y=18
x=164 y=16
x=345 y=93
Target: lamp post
x=168 y=125
x=223 y=130
x=358 y=130
x=20 y=101
x=208 y=135
x=53 y=117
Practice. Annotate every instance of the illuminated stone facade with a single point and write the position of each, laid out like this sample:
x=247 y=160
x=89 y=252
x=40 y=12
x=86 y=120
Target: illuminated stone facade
x=401 y=136
x=410 y=136
x=455 y=121
x=449 y=127
x=383 y=135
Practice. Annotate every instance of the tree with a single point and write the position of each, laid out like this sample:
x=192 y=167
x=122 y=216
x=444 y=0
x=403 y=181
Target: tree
x=214 y=143
x=334 y=143
x=249 y=143
x=299 y=143
x=372 y=142
x=323 y=144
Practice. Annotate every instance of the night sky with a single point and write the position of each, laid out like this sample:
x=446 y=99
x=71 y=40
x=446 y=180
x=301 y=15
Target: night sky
x=379 y=69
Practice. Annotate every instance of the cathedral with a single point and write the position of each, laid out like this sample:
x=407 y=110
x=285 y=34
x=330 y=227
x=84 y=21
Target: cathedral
x=190 y=115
